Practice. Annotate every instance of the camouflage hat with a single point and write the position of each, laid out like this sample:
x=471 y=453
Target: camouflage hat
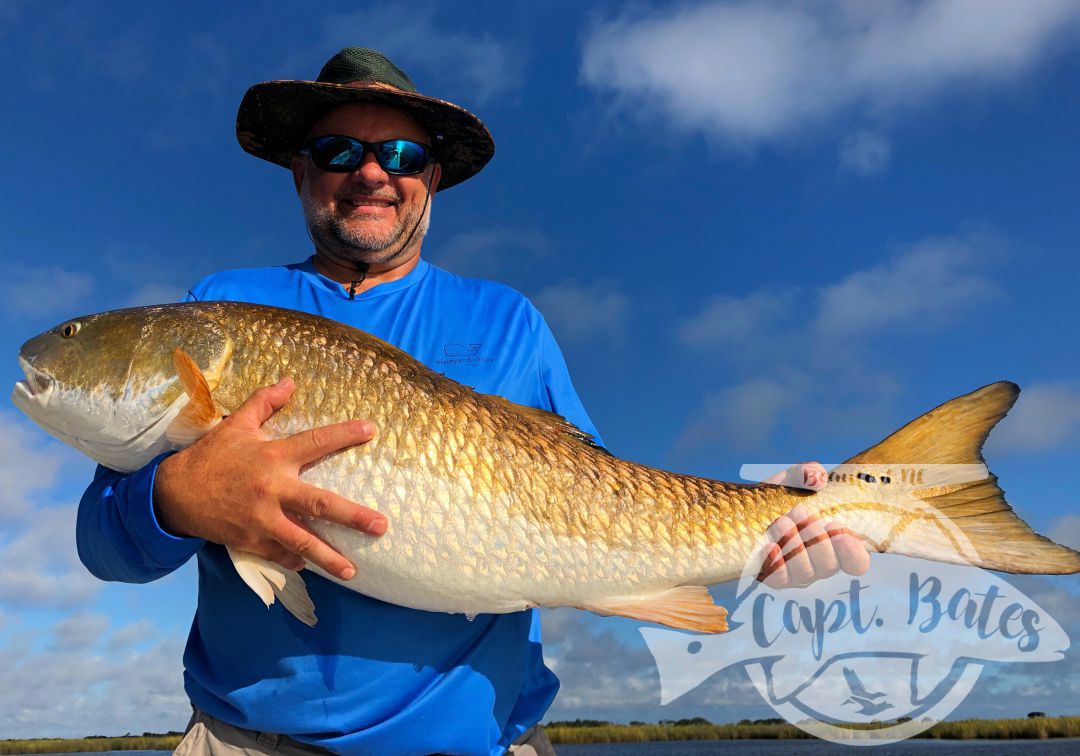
x=275 y=116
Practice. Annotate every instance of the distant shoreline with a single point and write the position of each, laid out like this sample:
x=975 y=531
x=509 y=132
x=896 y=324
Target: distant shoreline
x=1038 y=728
x=563 y=733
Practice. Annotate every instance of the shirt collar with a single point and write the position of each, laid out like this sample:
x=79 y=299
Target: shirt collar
x=335 y=288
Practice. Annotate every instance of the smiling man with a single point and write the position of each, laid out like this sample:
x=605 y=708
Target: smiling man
x=367 y=153
x=361 y=219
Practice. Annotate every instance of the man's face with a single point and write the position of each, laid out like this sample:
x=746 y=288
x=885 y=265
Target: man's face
x=367 y=215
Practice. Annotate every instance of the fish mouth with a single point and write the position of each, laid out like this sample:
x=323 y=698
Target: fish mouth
x=37 y=387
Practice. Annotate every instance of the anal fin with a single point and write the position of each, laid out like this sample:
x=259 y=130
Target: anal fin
x=269 y=580
x=686 y=607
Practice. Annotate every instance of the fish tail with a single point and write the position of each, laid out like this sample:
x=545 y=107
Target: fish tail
x=939 y=455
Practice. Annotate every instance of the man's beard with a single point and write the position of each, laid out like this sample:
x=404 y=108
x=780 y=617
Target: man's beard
x=355 y=243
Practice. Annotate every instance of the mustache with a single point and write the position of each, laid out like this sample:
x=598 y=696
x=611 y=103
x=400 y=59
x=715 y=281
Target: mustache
x=354 y=195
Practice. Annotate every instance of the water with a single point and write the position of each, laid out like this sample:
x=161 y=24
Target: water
x=1063 y=747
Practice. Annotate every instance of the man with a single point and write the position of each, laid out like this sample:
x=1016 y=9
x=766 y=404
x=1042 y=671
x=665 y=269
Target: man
x=367 y=152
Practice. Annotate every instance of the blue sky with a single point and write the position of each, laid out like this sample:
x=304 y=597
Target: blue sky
x=762 y=232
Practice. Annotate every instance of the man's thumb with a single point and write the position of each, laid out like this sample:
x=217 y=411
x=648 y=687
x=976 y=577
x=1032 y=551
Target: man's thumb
x=264 y=402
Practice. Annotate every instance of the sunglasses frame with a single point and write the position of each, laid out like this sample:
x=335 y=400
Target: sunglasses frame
x=427 y=154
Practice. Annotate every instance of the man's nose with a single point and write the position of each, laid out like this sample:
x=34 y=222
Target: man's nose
x=370 y=172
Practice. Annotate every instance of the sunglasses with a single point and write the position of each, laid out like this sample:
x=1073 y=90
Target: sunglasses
x=342 y=154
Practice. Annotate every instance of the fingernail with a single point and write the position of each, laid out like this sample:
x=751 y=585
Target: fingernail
x=348 y=573
x=377 y=527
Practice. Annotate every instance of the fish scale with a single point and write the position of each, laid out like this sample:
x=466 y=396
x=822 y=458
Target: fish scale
x=493 y=507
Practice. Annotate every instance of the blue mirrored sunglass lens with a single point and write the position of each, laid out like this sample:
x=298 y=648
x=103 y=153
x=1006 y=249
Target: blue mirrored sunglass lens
x=401 y=155
x=337 y=152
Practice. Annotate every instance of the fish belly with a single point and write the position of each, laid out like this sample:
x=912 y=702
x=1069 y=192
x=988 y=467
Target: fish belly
x=452 y=548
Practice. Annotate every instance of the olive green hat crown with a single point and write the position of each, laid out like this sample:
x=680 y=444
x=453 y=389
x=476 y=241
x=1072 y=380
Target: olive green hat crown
x=275 y=116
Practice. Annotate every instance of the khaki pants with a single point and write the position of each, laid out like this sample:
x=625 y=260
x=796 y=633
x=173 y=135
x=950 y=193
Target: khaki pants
x=207 y=736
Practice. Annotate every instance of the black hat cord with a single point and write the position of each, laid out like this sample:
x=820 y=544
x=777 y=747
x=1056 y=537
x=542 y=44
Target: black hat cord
x=362 y=267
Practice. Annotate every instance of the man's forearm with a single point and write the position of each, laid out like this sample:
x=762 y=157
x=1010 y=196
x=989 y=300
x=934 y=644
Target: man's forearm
x=117 y=533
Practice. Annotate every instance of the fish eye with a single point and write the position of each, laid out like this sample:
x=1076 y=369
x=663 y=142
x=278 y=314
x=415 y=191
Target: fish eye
x=70 y=329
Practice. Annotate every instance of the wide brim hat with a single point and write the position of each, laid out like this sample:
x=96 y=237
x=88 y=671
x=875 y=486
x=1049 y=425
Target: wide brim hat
x=275 y=116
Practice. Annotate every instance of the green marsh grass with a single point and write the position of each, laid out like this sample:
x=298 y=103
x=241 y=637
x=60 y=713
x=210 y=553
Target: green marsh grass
x=74 y=745
x=969 y=729
x=569 y=733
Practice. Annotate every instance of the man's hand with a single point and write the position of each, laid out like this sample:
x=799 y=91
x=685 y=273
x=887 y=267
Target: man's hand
x=809 y=475
x=803 y=550
x=238 y=488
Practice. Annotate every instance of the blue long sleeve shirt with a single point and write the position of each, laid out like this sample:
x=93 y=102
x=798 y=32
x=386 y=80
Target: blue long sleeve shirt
x=370 y=677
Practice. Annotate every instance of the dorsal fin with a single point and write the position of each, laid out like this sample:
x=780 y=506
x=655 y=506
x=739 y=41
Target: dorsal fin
x=550 y=419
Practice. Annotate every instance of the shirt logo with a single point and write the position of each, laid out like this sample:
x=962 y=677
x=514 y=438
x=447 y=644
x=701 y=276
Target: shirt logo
x=458 y=354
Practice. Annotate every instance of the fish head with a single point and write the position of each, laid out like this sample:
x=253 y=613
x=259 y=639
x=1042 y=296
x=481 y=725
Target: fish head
x=106 y=383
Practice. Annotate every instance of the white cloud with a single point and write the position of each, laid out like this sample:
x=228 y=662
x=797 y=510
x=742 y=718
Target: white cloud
x=131 y=635
x=734 y=321
x=43 y=290
x=1046 y=415
x=607 y=672
x=583 y=312
x=741 y=416
x=473 y=67
x=39 y=564
x=141 y=274
x=489 y=252
x=78 y=676
x=865 y=153
x=1012 y=690
x=73 y=687
x=29 y=465
x=155 y=293
x=925 y=286
x=814 y=345
x=79 y=631
x=594 y=667
x=751 y=72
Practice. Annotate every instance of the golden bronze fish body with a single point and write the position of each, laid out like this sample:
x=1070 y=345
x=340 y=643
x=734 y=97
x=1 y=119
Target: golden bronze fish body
x=509 y=508
x=492 y=507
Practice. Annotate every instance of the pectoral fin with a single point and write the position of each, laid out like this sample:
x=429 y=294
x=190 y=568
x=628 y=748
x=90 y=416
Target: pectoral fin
x=269 y=580
x=201 y=413
x=687 y=607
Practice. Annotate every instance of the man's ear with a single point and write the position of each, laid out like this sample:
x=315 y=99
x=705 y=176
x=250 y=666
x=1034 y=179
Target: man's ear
x=298 y=167
x=435 y=176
